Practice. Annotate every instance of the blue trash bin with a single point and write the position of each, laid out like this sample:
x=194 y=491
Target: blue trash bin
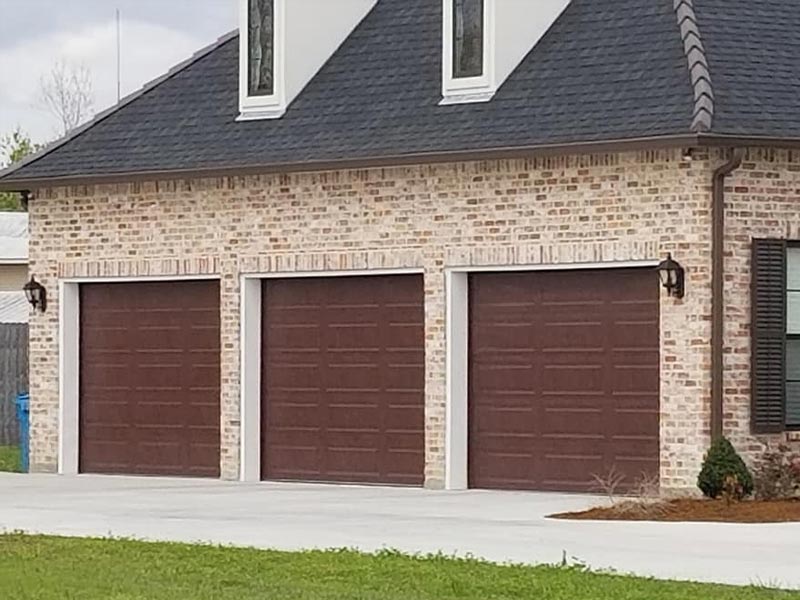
x=24 y=420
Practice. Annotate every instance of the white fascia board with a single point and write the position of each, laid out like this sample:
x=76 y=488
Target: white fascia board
x=512 y=28
x=307 y=34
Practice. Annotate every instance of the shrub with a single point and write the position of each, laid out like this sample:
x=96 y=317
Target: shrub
x=722 y=467
x=777 y=474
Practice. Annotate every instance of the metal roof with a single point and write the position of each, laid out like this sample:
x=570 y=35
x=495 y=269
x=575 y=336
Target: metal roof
x=14 y=307
x=13 y=237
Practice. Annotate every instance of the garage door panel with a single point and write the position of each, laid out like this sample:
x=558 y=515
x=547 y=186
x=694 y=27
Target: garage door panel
x=361 y=387
x=150 y=375
x=351 y=415
x=162 y=415
x=344 y=377
x=504 y=419
x=300 y=412
x=286 y=339
x=634 y=422
x=572 y=422
x=500 y=336
x=286 y=377
x=570 y=336
x=400 y=418
x=569 y=467
x=566 y=379
x=300 y=437
x=105 y=412
x=401 y=381
x=585 y=363
x=635 y=379
x=509 y=378
x=634 y=336
x=404 y=337
x=646 y=357
x=293 y=462
x=405 y=442
x=353 y=336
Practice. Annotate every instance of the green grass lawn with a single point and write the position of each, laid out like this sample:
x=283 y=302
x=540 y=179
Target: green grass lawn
x=59 y=568
x=9 y=459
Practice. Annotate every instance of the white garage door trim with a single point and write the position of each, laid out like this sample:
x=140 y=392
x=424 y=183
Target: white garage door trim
x=69 y=311
x=250 y=361
x=457 y=354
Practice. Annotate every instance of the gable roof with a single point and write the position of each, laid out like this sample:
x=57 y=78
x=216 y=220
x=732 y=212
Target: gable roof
x=616 y=71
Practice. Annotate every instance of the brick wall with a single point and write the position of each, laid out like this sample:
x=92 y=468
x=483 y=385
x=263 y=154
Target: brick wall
x=599 y=208
x=762 y=201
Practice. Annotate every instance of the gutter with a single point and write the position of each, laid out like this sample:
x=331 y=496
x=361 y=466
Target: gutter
x=718 y=290
x=8 y=183
x=26 y=184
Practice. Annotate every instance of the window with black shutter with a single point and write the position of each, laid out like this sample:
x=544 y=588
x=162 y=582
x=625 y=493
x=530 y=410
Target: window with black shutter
x=776 y=336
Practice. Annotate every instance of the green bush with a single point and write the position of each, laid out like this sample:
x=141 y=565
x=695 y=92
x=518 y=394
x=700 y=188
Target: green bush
x=722 y=463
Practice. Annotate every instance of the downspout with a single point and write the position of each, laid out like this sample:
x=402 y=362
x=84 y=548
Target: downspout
x=718 y=290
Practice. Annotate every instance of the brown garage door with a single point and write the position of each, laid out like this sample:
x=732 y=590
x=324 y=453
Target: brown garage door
x=150 y=378
x=343 y=380
x=564 y=378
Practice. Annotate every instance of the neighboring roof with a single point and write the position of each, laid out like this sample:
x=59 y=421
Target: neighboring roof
x=13 y=307
x=13 y=237
x=606 y=71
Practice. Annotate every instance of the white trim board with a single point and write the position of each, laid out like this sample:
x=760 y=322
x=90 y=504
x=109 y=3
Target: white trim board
x=593 y=266
x=457 y=355
x=323 y=274
x=141 y=279
x=68 y=377
x=250 y=328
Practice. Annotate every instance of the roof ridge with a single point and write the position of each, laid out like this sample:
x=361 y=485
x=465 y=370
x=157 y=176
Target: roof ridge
x=150 y=85
x=699 y=73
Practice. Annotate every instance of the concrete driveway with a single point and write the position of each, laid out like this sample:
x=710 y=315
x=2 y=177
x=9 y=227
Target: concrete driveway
x=499 y=526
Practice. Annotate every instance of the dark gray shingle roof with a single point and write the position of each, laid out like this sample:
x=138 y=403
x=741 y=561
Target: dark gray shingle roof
x=609 y=70
x=753 y=50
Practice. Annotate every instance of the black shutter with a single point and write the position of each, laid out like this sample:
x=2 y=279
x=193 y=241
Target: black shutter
x=768 y=335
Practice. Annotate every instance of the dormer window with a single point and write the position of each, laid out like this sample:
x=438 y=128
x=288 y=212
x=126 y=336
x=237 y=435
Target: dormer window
x=468 y=18
x=468 y=72
x=262 y=93
x=485 y=40
x=261 y=47
x=283 y=44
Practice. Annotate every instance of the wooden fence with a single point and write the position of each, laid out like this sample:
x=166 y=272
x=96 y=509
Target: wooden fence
x=13 y=377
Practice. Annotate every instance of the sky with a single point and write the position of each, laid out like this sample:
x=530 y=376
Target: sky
x=36 y=34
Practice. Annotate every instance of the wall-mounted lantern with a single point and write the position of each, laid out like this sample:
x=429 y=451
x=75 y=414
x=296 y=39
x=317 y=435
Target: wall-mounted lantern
x=672 y=277
x=36 y=294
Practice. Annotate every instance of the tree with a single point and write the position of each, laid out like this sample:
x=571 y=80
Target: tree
x=13 y=148
x=67 y=93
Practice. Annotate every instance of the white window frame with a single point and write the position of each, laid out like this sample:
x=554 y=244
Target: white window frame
x=69 y=360
x=262 y=107
x=463 y=90
x=457 y=354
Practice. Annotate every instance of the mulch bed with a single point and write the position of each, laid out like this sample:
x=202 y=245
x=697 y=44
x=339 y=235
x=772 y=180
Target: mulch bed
x=686 y=509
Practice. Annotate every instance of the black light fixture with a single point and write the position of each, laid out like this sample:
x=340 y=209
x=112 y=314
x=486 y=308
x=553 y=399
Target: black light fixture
x=36 y=294
x=672 y=277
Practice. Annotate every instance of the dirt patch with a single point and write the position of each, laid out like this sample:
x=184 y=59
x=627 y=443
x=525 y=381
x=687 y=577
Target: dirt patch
x=778 y=511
